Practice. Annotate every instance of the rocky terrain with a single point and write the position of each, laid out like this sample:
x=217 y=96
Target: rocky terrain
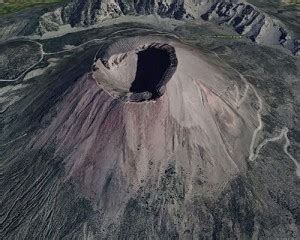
x=243 y=17
x=150 y=127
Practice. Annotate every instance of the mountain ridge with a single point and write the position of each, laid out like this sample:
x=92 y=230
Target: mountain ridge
x=243 y=17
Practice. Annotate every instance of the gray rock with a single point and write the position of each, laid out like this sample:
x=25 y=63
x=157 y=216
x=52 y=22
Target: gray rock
x=243 y=17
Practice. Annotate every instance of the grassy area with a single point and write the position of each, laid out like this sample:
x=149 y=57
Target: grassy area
x=10 y=6
x=291 y=1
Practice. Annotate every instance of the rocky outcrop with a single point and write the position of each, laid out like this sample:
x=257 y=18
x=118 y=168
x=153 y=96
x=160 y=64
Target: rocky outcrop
x=85 y=13
x=243 y=17
x=250 y=22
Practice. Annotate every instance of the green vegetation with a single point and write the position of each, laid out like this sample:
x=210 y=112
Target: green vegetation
x=291 y=1
x=10 y=6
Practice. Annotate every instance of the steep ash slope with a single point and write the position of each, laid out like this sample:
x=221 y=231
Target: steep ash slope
x=113 y=147
x=243 y=17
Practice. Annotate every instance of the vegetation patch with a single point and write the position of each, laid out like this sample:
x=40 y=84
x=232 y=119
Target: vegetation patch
x=11 y=6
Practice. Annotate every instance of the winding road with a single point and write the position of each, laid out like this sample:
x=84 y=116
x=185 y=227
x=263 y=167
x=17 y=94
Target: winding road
x=254 y=152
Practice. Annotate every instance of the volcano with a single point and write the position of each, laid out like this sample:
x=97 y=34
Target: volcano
x=150 y=103
x=155 y=123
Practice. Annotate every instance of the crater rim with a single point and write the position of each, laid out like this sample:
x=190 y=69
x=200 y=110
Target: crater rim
x=143 y=87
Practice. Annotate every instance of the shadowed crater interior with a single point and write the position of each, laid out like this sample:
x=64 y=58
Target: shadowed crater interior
x=152 y=66
x=155 y=67
x=140 y=73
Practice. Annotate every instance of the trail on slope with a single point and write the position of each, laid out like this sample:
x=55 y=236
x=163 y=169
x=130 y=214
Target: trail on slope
x=254 y=152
